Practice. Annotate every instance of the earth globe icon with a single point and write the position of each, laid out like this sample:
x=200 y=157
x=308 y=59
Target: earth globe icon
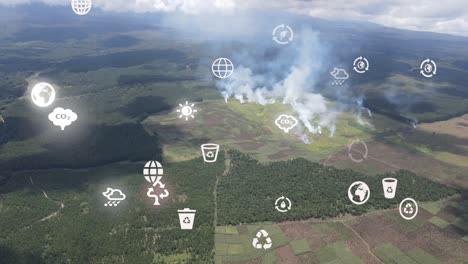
x=358 y=192
x=152 y=170
x=43 y=94
x=222 y=68
x=81 y=7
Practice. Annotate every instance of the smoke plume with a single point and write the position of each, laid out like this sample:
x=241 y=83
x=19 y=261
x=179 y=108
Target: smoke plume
x=295 y=87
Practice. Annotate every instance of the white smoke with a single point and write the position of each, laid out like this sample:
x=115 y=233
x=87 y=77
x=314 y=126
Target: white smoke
x=358 y=115
x=295 y=89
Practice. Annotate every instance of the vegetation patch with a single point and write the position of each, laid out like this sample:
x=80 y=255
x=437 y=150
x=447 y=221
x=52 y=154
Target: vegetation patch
x=319 y=191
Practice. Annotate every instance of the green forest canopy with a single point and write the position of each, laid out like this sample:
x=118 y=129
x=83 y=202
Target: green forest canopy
x=248 y=193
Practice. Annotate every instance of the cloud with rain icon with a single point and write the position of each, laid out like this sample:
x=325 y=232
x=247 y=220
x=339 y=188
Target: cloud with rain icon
x=339 y=74
x=114 y=196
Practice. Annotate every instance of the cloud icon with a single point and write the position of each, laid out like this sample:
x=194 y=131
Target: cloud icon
x=114 y=194
x=62 y=117
x=339 y=74
x=286 y=122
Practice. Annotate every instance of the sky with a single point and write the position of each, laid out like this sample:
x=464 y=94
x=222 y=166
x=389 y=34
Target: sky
x=448 y=16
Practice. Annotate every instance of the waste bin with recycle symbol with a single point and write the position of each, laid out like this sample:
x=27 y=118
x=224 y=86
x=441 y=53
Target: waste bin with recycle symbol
x=186 y=218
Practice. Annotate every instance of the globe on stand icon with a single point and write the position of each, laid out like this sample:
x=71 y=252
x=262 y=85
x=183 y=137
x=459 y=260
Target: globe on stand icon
x=81 y=7
x=222 y=68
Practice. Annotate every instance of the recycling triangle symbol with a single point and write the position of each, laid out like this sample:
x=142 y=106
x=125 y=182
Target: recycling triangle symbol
x=267 y=242
x=186 y=220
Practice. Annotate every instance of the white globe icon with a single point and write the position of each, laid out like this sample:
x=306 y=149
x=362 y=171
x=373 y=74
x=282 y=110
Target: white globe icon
x=222 y=68
x=43 y=94
x=152 y=170
x=81 y=7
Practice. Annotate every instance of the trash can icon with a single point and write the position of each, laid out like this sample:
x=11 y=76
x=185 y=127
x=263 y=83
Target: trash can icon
x=210 y=152
x=186 y=218
x=389 y=187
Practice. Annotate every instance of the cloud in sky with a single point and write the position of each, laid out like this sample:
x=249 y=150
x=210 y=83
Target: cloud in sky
x=450 y=17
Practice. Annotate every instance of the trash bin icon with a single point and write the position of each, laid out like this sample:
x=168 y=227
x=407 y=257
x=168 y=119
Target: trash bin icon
x=186 y=218
x=389 y=187
x=210 y=152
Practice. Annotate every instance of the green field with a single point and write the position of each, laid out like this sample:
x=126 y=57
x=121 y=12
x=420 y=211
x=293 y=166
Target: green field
x=390 y=254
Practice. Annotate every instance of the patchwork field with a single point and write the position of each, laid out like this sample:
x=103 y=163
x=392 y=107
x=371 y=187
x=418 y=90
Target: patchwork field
x=351 y=239
x=250 y=128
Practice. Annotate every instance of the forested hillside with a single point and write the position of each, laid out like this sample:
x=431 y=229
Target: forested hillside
x=248 y=193
x=85 y=231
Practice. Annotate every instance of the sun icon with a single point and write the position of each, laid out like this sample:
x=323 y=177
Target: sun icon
x=186 y=110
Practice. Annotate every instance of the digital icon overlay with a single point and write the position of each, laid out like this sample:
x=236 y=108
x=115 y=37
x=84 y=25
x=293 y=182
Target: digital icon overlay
x=222 y=68
x=81 y=7
x=358 y=192
x=114 y=196
x=363 y=154
x=153 y=172
x=43 y=94
x=210 y=152
x=361 y=65
x=428 y=68
x=283 y=34
x=283 y=204
x=186 y=218
x=340 y=76
x=62 y=117
x=187 y=110
x=408 y=208
x=286 y=122
x=262 y=240
x=389 y=187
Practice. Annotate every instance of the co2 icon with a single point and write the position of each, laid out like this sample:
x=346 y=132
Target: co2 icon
x=62 y=117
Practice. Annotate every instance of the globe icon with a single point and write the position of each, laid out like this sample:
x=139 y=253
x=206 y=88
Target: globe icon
x=358 y=192
x=152 y=170
x=81 y=7
x=222 y=68
x=43 y=94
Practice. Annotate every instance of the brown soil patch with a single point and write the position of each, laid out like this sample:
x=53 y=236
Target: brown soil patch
x=251 y=145
x=384 y=158
x=376 y=230
x=457 y=127
x=279 y=155
x=285 y=255
x=298 y=230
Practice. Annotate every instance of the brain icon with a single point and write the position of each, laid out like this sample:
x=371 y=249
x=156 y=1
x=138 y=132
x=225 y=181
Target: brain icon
x=286 y=122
